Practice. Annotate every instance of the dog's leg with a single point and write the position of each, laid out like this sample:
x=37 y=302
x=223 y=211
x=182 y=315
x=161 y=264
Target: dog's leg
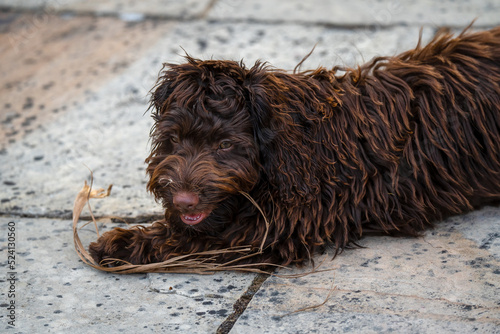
x=137 y=245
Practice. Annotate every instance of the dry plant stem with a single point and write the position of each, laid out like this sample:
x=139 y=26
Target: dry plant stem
x=81 y=199
x=330 y=292
x=263 y=215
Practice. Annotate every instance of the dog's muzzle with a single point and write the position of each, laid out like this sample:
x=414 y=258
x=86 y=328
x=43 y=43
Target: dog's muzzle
x=186 y=203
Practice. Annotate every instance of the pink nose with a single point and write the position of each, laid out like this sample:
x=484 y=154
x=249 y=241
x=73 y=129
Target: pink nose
x=186 y=200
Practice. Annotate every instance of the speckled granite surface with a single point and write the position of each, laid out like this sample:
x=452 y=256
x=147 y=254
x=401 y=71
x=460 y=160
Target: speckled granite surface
x=447 y=281
x=74 y=83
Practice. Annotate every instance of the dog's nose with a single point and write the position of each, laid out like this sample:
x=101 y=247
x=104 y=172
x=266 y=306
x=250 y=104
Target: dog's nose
x=186 y=200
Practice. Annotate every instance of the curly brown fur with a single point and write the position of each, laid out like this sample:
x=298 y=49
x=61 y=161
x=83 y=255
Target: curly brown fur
x=328 y=155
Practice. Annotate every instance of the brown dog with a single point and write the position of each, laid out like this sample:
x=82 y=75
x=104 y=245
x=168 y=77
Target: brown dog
x=389 y=147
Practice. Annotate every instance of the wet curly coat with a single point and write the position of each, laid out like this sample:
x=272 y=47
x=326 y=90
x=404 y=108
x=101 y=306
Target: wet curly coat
x=328 y=155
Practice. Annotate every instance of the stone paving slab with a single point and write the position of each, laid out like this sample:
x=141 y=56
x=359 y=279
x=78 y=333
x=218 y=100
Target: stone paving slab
x=446 y=282
x=56 y=293
x=61 y=63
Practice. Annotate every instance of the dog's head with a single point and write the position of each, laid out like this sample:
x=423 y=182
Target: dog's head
x=204 y=148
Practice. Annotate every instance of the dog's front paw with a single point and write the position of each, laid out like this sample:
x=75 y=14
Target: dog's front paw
x=113 y=248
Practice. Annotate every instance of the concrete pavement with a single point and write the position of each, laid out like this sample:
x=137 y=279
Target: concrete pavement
x=74 y=85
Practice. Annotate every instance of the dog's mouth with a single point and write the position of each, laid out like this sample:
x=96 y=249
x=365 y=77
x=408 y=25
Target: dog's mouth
x=194 y=218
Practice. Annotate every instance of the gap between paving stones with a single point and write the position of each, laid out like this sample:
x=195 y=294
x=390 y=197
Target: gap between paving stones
x=241 y=304
x=238 y=307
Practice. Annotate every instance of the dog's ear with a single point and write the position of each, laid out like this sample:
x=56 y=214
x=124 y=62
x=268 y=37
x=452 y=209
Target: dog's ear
x=276 y=104
x=163 y=87
x=170 y=78
x=263 y=91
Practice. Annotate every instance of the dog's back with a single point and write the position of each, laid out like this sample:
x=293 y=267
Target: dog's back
x=419 y=134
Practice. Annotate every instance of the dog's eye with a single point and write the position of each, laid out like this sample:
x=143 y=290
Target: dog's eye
x=225 y=144
x=174 y=139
